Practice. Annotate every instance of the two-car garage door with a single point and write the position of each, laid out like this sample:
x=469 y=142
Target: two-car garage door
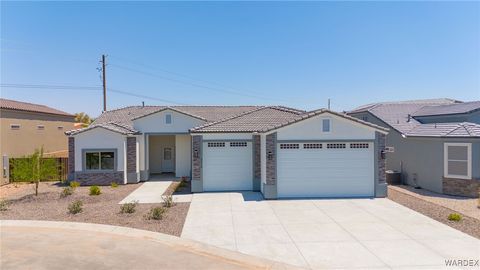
x=314 y=169
x=227 y=165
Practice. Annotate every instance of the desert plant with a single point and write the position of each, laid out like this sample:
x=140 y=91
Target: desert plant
x=3 y=205
x=156 y=213
x=455 y=217
x=114 y=184
x=128 y=208
x=66 y=192
x=83 y=118
x=74 y=184
x=168 y=201
x=34 y=168
x=95 y=190
x=75 y=207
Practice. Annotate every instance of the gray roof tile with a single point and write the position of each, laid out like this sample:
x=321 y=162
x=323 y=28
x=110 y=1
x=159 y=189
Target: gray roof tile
x=29 y=107
x=457 y=108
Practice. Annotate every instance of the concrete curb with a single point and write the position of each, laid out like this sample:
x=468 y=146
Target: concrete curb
x=173 y=241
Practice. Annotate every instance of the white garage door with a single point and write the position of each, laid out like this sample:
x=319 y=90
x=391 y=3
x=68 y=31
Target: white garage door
x=227 y=166
x=325 y=169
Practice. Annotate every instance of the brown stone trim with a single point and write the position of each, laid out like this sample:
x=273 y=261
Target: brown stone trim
x=271 y=158
x=257 y=166
x=131 y=155
x=461 y=187
x=71 y=158
x=102 y=179
x=381 y=161
x=197 y=157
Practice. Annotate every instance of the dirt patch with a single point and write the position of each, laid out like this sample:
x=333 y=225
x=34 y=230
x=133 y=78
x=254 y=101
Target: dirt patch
x=467 y=225
x=102 y=209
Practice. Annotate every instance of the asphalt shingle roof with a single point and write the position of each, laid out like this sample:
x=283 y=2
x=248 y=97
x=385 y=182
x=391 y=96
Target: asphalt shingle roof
x=457 y=108
x=464 y=129
x=29 y=107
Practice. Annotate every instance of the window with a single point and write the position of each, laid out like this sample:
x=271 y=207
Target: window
x=14 y=127
x=238 y=144
x=40 y=127
x=168 y=119
x=326 y=125
x=458 y=160
x=216 y=144
x=335 y=145
x=289 y=146
x=365 y=118
x=312 y=146
x=359 y=145
x=100 y=160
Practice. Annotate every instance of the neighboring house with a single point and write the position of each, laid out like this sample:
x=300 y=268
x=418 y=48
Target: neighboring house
x=26 y=126
x=434 y=143
x=279 y=151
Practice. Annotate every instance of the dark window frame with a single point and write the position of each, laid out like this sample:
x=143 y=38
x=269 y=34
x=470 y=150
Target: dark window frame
x=99 y=151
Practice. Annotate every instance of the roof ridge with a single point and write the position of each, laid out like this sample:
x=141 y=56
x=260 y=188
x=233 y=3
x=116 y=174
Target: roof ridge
x=459 y=125
x=287 y=109
x=36 y=104
x=228 y=118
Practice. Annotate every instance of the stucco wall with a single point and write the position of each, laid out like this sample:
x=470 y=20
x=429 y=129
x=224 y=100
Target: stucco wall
x=99 y=138
x=155 y=154
x=154 y=123
x=183 y=152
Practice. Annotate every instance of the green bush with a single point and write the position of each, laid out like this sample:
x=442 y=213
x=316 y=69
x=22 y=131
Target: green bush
x=128 y=208
x=156 y=213
x=3 y=205
x=95 y=190
x=114 y=184
x=74 y=184
x=455 y=217
x=75 y=207
x=168 y=201
x=66 y=192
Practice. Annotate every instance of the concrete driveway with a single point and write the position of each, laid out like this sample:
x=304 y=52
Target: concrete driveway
x=342 y=233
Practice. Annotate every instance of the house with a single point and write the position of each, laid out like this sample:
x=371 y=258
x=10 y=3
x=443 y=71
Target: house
x=435 y=144
x=280 y=151
x=27 y=126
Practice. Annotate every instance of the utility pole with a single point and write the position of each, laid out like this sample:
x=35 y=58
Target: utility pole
x=104 y=84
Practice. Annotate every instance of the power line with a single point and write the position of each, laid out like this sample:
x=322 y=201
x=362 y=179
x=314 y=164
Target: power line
x=192 y=84
x=143 y=96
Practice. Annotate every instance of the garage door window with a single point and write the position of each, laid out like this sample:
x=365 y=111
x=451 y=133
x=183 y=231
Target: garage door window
x=312 y=146
x=238 y=144
x=359 y=145
x=458 y=160
x=336 y=145
x=289 y=146
x=216 y=144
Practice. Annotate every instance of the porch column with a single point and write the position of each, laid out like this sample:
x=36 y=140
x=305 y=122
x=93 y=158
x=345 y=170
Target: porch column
x=71 y=159
x=197 y=181
x=132 y=174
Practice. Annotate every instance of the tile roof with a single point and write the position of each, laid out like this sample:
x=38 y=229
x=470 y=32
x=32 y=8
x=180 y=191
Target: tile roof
x=115 y=127
x=266 y=119
x=457 y=108
x=29 y=107
x=395 y=114
x=464 y=129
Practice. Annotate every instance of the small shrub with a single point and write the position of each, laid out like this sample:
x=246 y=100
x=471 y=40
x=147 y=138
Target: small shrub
x=114 y=185
x=3 y=205
x=455 y=217
x=168 y=201
x=74 y=184
x=95 y=190
x=128 y=208
x=156 y=213
x=75 y=207
x=66 y=192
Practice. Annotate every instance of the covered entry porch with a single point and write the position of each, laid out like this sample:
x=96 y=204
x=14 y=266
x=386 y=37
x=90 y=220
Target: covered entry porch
x=167 y=156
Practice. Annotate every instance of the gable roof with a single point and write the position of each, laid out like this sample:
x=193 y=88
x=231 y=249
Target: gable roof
x=463 y=129
x=395 y=114
x=267 y=119
x=456 y=108
x=115 y=127
x=29 y=107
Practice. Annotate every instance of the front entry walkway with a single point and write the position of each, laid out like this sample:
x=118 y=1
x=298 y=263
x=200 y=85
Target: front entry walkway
x=326 y=234
x=148 y=192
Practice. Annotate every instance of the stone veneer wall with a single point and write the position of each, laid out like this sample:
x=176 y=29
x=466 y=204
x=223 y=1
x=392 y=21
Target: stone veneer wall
x=271 y=147
x=257 y=163
x=197 y=158
x=71 y=158
x=461 y=187
x=131 y=155
x=99 y=178
x=382 y=162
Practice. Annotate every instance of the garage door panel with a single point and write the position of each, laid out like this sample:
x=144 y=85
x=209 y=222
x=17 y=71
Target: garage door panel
x=227 y=168
x=342 y=172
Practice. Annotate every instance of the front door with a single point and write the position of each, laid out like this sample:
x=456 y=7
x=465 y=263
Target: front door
x=168 y=159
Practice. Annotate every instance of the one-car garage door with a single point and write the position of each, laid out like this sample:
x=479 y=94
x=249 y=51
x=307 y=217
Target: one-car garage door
x=227 y=166
x=337 y=169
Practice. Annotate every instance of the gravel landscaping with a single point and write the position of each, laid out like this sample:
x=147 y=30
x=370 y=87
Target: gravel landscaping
x=467 y=224
x=102 y=209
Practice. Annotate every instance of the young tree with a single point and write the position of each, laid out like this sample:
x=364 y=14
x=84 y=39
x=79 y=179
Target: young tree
x=35 y=168
x=83 y=118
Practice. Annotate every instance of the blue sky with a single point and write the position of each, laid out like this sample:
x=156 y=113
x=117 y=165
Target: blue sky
x=218 y=53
